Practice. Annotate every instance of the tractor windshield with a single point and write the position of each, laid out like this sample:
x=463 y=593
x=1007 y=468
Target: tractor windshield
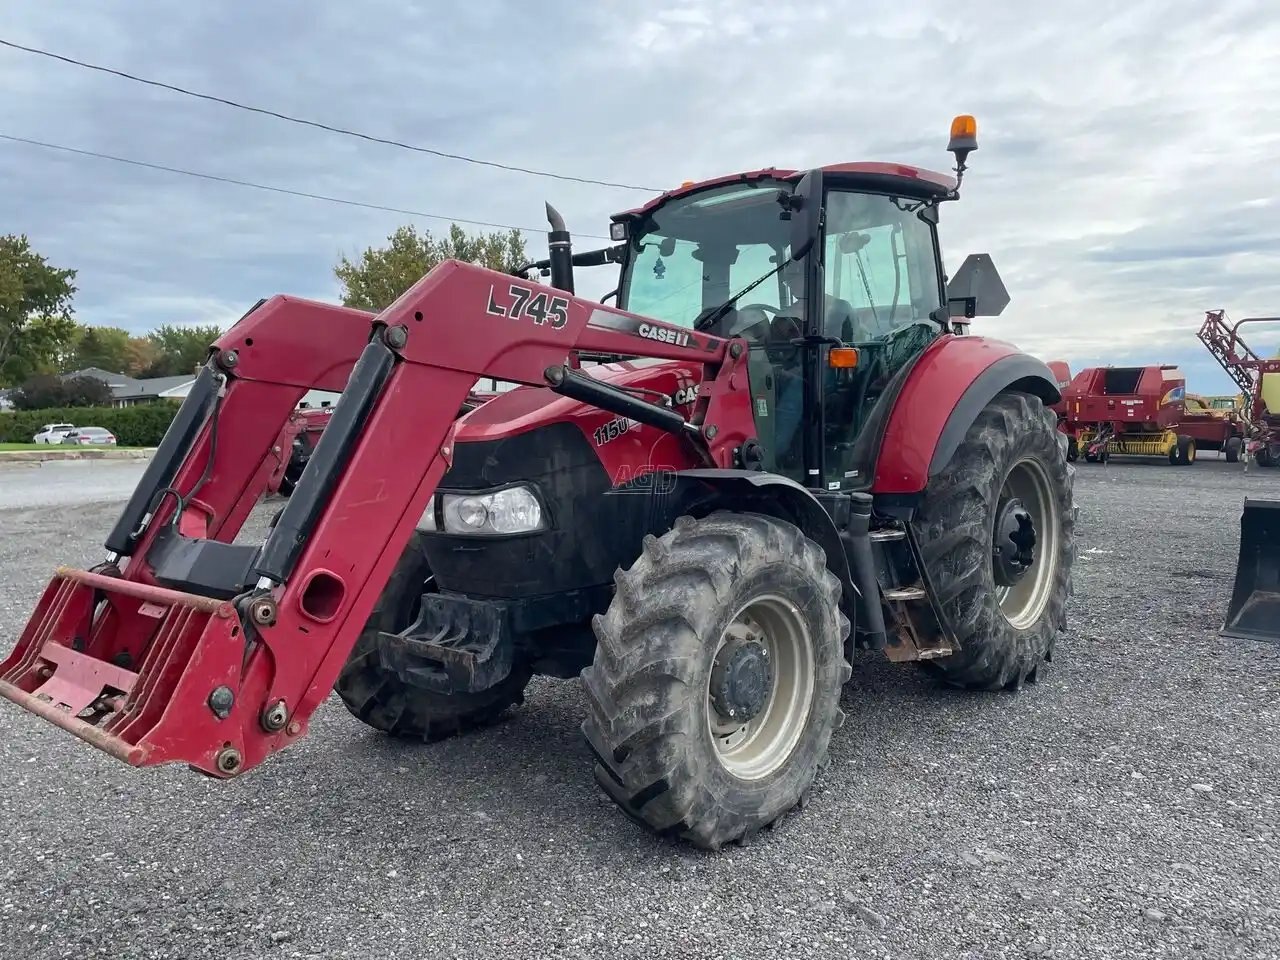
x=694 y=253
x=690 y=256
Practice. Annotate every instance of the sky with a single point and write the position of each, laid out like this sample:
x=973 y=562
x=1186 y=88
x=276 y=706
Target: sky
x=1126 y=179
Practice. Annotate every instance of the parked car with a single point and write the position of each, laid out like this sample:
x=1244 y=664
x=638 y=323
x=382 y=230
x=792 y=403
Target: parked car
x=53 y=432
x=95 y=436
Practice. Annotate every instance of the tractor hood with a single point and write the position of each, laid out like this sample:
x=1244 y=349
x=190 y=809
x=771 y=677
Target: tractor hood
x=525 y=408
x=623 y=446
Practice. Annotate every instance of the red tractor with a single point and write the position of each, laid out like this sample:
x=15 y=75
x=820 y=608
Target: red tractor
x=703 y=500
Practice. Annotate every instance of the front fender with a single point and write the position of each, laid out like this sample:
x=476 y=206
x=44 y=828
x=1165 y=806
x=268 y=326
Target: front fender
x=946 y=390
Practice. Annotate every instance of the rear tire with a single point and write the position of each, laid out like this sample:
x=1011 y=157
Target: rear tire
x=376 y=695
x=1005 y=633
x=677 y=648
x=1232 y=448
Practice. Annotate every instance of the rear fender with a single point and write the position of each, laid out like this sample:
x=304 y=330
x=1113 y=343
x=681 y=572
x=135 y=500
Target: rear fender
x=705 y=490
x=944 y=393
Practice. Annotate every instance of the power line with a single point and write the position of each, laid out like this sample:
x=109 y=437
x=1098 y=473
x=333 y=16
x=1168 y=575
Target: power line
x=323 y=126
x=284 y=190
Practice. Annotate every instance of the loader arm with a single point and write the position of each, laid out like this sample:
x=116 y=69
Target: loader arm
x=185 y=646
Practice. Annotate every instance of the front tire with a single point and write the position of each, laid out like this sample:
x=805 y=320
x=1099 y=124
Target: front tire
x=1003 y=587
x=1186 y=450
x=1233 y=447
x=377 y=696
x=716 y=682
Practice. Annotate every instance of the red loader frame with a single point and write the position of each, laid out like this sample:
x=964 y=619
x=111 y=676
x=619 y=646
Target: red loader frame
x=154 y=675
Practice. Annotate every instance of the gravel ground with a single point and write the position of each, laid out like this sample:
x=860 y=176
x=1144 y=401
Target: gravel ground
x=1125 y=806
x=68 y=482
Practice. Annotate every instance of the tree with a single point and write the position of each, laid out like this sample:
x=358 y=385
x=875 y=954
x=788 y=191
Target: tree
x=382 y=274
x=46 y=390
x=140 y=353
x=178 y=350
x=35 y=311
x=104 y=347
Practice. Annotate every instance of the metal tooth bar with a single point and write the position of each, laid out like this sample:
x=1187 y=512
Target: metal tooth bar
x=905 y=593
x=885 y=536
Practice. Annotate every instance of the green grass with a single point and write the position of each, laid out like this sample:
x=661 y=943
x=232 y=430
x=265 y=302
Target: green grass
x=6 y=447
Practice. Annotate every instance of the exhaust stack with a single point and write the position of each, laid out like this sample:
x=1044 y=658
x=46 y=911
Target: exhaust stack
x=561 y=245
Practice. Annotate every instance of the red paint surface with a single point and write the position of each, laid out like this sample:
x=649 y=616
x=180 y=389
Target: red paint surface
x=933 y=388
x=863 y=168
x=638 y=450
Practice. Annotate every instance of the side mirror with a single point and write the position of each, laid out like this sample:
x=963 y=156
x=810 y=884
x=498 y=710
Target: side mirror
x=805 y=207
x=976 y=290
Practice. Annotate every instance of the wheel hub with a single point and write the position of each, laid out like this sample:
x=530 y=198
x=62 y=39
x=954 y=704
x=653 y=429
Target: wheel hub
x=1013 y=549
x=741 y=680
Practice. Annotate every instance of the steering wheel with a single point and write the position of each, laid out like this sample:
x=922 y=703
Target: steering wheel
x=746 y=324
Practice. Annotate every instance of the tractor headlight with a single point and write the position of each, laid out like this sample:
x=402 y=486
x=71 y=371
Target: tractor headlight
x=514 y=510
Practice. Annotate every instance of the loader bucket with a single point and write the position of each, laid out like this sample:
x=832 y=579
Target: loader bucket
x=1254 y=613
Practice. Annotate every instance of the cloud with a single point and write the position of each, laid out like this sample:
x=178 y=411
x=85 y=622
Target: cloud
x=1124 y=184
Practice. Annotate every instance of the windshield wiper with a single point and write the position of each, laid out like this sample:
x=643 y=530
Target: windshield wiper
x=703 y=322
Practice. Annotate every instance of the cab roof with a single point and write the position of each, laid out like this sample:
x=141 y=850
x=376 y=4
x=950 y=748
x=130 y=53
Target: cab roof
x=911 y=181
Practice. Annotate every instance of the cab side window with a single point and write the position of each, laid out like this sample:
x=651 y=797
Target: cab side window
x=881 y=285
x=881 y=275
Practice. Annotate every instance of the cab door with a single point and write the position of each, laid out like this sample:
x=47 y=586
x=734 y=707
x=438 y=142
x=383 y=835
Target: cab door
x=882 y=282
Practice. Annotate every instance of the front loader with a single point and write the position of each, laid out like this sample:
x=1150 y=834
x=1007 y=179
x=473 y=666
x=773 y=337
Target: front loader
x=777 y=447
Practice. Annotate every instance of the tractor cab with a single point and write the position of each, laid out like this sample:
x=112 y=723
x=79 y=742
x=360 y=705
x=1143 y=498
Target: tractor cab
x=834 y=278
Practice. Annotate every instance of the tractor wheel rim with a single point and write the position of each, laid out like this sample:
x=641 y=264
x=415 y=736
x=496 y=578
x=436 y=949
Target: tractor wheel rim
x=754 y=749
x=1023 y=602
